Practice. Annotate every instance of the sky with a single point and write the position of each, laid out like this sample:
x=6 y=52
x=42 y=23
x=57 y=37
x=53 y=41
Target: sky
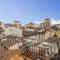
x=26 y=11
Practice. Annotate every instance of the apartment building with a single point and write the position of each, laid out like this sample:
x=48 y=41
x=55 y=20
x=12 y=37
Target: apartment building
x=16 y=24
x=13 y=31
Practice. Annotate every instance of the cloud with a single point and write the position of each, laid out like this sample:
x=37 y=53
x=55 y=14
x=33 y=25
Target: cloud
x=38 y=22
x=53 y=21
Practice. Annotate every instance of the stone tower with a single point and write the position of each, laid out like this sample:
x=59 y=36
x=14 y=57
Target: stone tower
x=47 y=24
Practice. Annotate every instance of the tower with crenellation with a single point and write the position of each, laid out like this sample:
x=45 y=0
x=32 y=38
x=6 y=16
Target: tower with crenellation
x=47 y=24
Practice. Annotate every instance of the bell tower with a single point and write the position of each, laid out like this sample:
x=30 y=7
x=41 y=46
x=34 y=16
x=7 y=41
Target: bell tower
x=47 y=24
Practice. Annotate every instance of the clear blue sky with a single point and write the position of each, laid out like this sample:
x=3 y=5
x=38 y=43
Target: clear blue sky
x=28 y=10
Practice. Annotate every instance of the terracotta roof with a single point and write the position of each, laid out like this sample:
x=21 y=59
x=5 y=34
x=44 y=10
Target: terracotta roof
x=9 y=43
x=11 y=36
x=53 y=40
x=8 y=24
x=55 y=28
x=30 y=33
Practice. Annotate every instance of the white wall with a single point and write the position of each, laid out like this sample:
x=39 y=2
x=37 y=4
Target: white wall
x=13 y=31
x=15 y=46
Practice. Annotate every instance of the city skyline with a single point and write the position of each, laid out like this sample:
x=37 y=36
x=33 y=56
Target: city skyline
x=27 y=11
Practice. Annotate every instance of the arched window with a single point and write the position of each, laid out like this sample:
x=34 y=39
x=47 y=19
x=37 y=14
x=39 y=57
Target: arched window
x=55 y=35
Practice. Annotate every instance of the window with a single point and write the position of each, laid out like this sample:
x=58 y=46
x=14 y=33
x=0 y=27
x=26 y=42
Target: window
x=55 y=35
x=58 y=33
